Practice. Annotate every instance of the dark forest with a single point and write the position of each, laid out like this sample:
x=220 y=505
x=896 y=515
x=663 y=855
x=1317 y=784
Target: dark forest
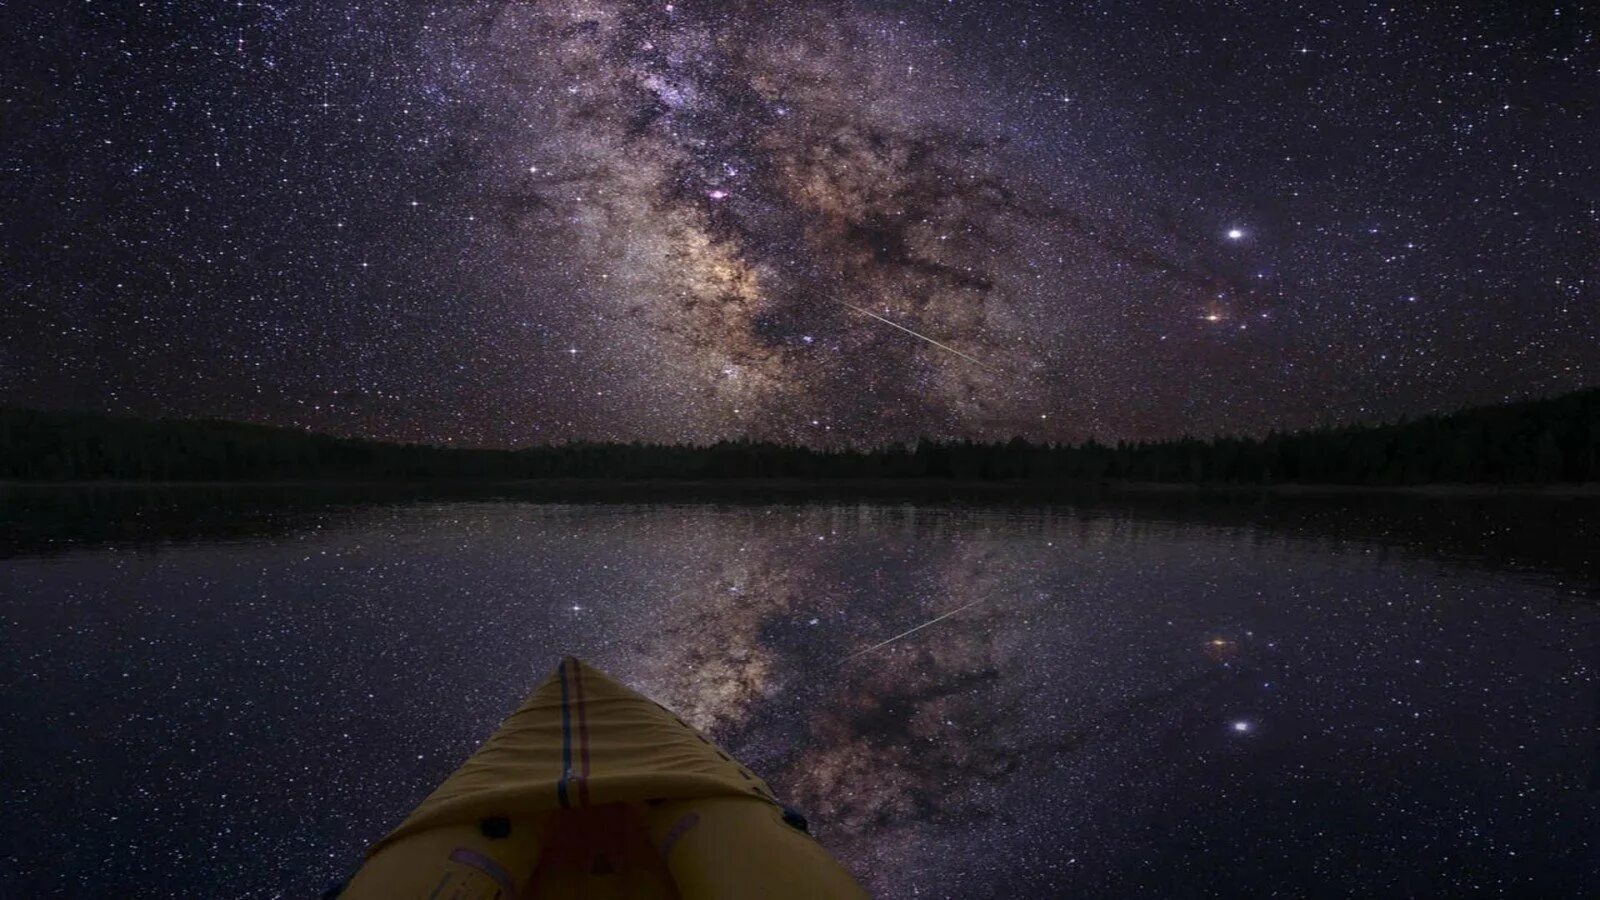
x=1537 y=442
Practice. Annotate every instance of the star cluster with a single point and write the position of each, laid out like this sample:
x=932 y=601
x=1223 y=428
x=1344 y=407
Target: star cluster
x=494 y=222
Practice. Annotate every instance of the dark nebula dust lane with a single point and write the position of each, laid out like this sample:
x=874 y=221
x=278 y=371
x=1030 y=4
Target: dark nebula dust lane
x=830 y=222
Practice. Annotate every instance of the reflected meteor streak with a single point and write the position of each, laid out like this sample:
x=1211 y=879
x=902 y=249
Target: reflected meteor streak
x=968 y=357
x=912 y=630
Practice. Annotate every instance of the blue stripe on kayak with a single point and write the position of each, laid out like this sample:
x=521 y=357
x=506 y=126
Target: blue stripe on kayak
x=566 y=739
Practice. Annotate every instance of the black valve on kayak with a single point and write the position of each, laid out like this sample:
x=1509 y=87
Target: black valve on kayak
x=795 y=820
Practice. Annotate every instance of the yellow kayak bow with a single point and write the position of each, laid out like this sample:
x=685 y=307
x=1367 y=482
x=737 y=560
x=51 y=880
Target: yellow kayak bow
x=590 y=790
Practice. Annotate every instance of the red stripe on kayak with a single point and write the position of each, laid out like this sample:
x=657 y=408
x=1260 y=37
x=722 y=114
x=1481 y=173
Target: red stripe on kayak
x=583 y=737
x=469 y=857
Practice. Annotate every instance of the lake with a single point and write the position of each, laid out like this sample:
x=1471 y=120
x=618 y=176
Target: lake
x=229 y=692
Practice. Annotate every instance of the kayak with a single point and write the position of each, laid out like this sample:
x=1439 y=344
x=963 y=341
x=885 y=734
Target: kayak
x=592 y=790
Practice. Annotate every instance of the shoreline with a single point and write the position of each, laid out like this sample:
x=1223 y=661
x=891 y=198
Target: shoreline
x=835 y=486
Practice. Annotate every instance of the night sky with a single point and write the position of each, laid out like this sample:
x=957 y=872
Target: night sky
x=516 y=222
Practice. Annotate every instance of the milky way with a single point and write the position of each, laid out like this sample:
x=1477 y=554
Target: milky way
x=736 y=184
x=495 y=222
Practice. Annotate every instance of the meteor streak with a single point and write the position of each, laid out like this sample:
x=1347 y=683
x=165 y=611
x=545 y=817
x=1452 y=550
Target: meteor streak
x=913 y=630
x=968 y=357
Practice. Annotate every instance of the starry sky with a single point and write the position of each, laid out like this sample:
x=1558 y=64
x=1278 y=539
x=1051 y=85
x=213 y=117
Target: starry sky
x=507 y=223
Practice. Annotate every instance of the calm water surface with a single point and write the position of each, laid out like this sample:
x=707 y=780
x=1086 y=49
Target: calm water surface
x=229 y=693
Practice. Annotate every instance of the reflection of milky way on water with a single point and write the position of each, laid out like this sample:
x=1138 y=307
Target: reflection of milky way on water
x=1408 y=727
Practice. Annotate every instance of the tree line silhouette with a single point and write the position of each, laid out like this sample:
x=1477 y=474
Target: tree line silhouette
x=1539 y=442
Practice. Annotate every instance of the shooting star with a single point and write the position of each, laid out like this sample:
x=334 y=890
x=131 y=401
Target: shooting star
x=910 y=631
x=966 y=356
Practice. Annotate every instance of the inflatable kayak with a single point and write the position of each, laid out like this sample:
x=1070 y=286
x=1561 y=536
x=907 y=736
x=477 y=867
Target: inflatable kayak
x=591 y=790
